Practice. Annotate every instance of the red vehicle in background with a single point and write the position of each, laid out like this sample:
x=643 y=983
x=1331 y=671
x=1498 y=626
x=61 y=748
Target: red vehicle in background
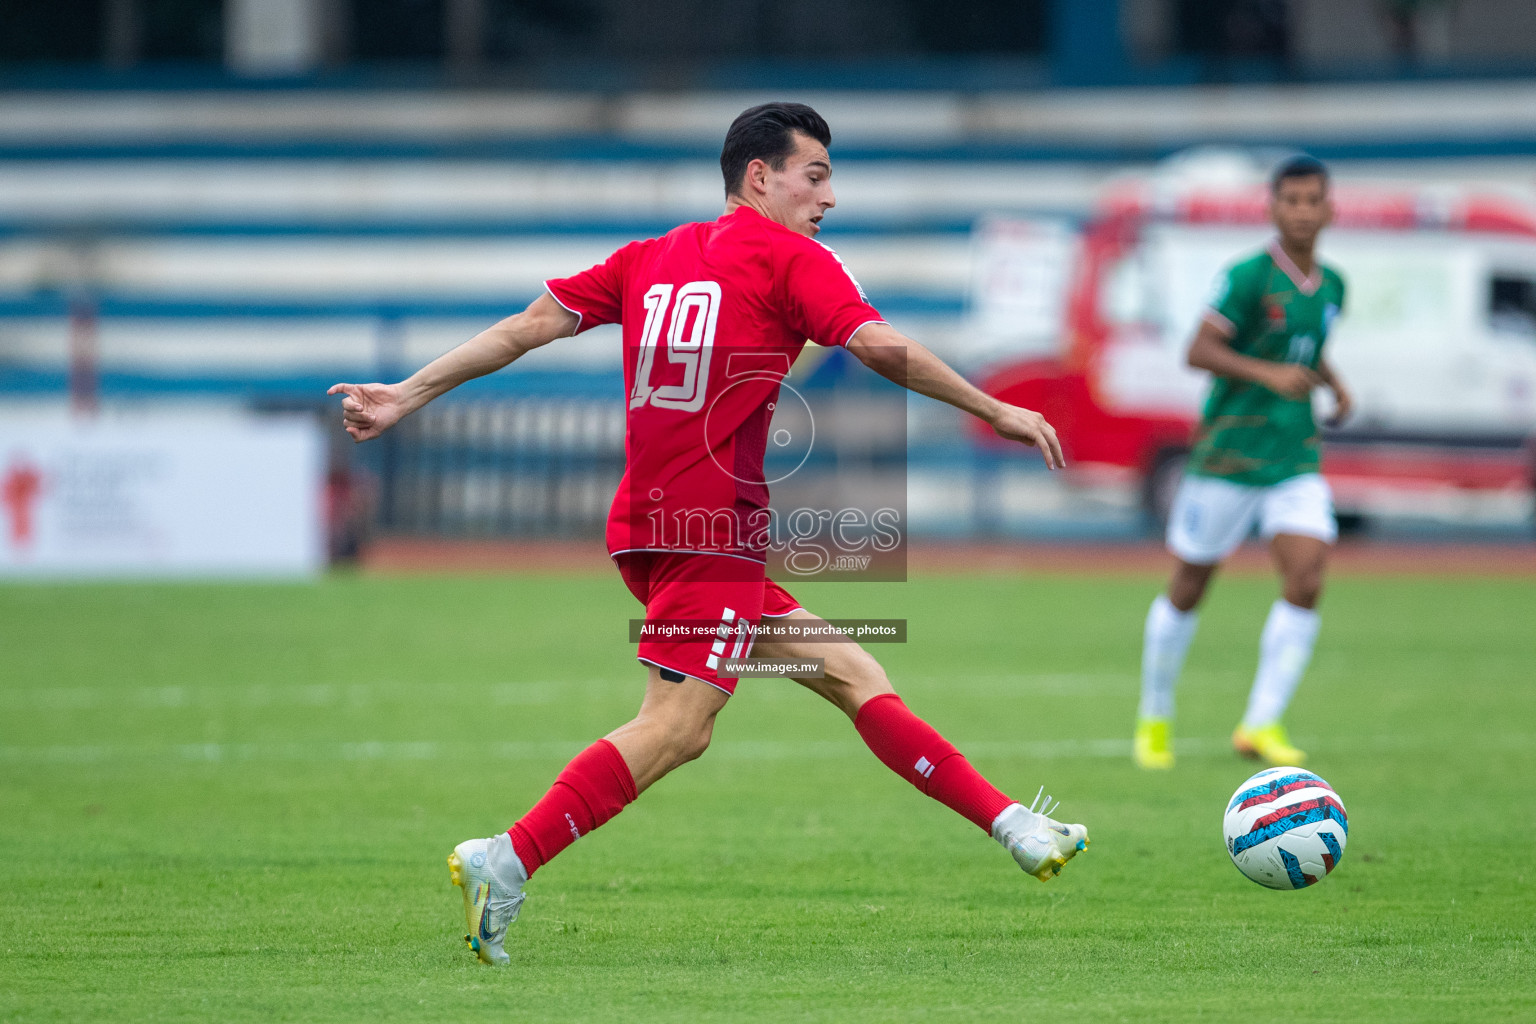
x=1437 y=341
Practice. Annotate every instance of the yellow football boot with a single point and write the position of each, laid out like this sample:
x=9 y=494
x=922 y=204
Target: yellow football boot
x=1153 y=744
x=492 y=878
x=1267 y=743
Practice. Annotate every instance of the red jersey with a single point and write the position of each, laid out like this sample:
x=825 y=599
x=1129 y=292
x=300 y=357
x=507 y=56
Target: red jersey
x=714 y=314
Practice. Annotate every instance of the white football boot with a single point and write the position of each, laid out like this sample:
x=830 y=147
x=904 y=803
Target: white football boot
x=492 y=877
x=1040 y=844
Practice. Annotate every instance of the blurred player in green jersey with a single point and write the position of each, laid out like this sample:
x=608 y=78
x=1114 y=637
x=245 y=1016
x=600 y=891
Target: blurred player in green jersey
x=1255 y=461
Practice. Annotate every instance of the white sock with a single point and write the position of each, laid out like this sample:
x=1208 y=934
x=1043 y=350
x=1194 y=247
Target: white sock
x=1285 y=647
x=1164 y=644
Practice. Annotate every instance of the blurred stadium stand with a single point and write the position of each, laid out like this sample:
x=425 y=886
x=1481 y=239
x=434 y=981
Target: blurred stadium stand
x=249 y=200
x=614 y=45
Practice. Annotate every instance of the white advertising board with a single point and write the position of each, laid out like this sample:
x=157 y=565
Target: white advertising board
x=160 y=495
x=1020 y=271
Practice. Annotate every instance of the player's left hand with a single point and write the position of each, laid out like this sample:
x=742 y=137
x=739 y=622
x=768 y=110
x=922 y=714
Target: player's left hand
x=1031 y=428
x=1343 y=405
x=367 y=410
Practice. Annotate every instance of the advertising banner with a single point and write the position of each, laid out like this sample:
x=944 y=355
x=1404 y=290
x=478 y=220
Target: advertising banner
x=159 y=495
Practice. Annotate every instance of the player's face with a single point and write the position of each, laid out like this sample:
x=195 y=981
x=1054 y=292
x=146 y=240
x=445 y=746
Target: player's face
x=801 y=194
x=1300 y=208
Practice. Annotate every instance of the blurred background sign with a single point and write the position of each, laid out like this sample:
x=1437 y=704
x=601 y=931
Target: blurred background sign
x=1019 y=289
x=236 y=203
x=159 y=495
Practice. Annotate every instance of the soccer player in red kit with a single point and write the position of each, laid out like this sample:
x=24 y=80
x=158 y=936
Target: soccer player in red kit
x=748 y=288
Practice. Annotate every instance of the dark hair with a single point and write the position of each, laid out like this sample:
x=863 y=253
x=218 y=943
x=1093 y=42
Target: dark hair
x=767 y=133
x=1298 y=166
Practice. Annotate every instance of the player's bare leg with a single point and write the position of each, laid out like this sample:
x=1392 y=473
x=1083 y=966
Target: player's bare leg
x=1301 y=562
x=1187 y=585
x=857 y=685
x=853 y=677
x=1285 y=648
x=673 y=727
x=1170 y=626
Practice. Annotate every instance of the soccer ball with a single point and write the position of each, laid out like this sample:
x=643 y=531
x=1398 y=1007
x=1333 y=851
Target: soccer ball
x=1285 y=828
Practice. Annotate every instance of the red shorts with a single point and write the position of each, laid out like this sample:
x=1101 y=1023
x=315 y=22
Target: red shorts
x=723 y=594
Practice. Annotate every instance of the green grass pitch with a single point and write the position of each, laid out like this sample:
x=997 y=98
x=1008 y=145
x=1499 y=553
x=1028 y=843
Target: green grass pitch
x=234 y=803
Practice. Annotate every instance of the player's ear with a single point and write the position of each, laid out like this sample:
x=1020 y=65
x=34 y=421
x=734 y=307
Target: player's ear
x=756 y=176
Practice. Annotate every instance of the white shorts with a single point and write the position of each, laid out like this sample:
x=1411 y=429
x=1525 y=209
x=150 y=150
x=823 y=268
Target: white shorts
x=1211 y=517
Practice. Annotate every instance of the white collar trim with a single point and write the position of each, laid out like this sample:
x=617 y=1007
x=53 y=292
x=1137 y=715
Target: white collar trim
x=1304 y=284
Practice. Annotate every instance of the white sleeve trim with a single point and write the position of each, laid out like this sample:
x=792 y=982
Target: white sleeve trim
x=851 y=279
x=568 y=309
x=851 y=333
x=1211 y=317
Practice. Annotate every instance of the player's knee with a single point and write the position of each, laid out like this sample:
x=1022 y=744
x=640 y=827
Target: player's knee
x=1305 y=587
x=1187 y=588
x=688 y=740
x=1184 y=599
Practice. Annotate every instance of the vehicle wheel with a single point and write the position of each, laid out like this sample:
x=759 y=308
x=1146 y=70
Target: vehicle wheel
x=1159 y=484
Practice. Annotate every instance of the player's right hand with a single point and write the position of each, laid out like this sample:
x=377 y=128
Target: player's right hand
x=367 y=410
x=1291 y=380
x=1028 y=426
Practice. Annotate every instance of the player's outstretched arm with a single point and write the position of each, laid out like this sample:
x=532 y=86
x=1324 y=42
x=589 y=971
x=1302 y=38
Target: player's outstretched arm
x=367 y=410
x=898 y=358
x=1212 y=351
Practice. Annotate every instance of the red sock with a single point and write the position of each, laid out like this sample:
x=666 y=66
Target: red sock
x=594 y=787
x=913 y=749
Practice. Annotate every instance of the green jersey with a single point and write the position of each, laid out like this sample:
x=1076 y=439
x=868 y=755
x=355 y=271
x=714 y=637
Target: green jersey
x=1269 y=310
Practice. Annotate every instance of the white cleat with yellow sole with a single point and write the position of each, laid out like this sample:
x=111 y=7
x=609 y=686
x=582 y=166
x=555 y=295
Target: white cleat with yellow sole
x=1040 y=844
x=492 y=878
